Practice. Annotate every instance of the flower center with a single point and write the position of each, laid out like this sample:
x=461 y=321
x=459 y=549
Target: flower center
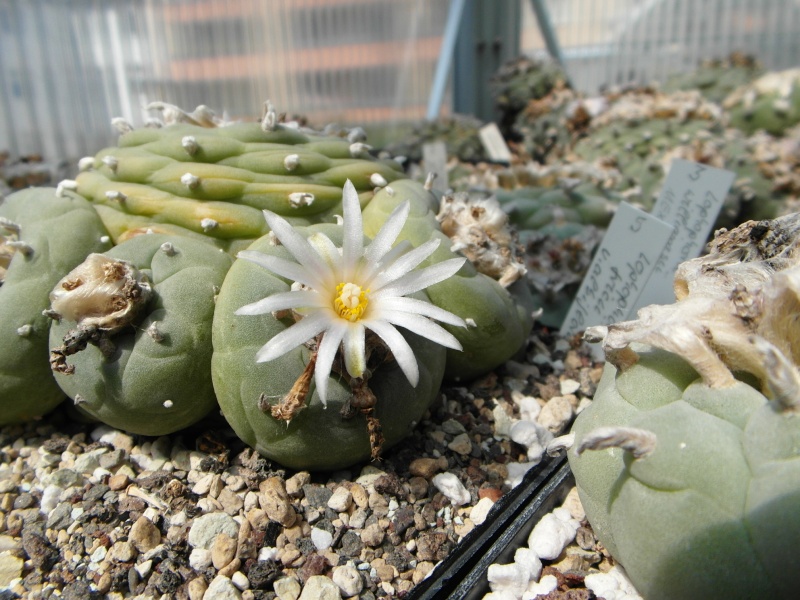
x=350 y=301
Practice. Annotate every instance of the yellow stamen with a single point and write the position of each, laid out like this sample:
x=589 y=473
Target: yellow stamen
x=350 y=301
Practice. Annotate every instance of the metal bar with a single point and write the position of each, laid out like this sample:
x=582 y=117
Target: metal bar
x=445 y=61
x=549 y=34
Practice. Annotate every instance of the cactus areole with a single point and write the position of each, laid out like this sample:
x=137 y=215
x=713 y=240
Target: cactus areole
x=688 y=460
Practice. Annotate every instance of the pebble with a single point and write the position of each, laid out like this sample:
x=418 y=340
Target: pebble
x=275 y=501
x=10 y=568
x=197 y=588
x=144 y=535
x=372 y=535
x=424 y=467
x=205 y=529
x=341 y=500
x=509 y=578
x=612 y=585
x=348 y=580
x=461 y=444
x=450 y=485
x=123 y=551
x=544 y=586
x=556 y=414
x=320 y=587
x=223 y=550
x=287 y=588
x=481 y=510
x=552 y=533
x=321 y=539
x=222 y=588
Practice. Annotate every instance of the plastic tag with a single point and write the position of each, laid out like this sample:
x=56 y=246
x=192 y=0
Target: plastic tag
x=690 y=201
x=434 y=156
x=620 y=268
x=494 y=144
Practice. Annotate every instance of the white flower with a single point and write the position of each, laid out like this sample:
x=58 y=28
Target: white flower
x=343 y=292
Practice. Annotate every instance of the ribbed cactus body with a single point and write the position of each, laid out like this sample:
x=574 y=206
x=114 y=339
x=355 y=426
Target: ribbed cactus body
x=711 y=513
x=157 y=377
x=499 y=318
x=318 y=437
x=57 y=232
x=215 y=182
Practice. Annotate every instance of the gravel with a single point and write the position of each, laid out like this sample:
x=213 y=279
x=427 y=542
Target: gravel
x=87 y=511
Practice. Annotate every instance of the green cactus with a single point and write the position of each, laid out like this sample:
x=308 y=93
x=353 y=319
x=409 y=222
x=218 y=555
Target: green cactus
x=688 y=460
x=147 y=307
x=458 y=132
x=43 y=234
x=502 y=317
x=716 y=78
x=213 y=183
x=770 y=103
x=320 y=436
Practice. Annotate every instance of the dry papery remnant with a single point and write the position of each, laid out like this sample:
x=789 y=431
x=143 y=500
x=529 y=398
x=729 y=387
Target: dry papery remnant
x=102 y=295
x=479 y=229
x=736 y=310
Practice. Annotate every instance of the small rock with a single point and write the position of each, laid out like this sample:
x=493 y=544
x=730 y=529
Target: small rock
x=360 y=496
x=206 y=527
x=544 y=586
x=461 y=444
x=240 y=580
x=451 y=486
x=317 y=496
x=556 y=414
x=372 y=535
x=510 y=579
x=613 y=584
x=322 y=539
x=223 y=550
x=123 y=552
x=275 y=501
x=295 y=483
x=423 y=467
x=50 y=497
x=200 y=559
x=287 y=588
x=61 y=517
x=320 y=587
x=551 y=534
x=341 y=500
x=231 y=502
x=197 y=588
x=10 y=568
x=453 y=427
x=569 y=386
x=144 y=535
x=481 y=510
x=222 y=588
x=348 y=580
x=118 y=482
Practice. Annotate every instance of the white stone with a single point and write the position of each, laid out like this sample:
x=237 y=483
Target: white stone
x=556 y=414
x=200 y=558
x=529 y=407
x=222 y=588
x=341 y=500
x=451 y=486
x=50 y=497
x=573 y=504
x=268 y=553
x=287 y=588
x=144 y=568
x=502 y=421
x=320 y=587
x=206 y=527
x=240 y=580
x=510 y=578
x=481 y=510
x=612 y=585
x=321 y=539
x=541 y=588
x=348 y=580
x=529 y=560
x=569 y=386
x=552 y=534
x=516 y=471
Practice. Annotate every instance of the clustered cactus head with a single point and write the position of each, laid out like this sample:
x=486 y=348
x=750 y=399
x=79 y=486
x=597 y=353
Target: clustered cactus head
x=687 y=461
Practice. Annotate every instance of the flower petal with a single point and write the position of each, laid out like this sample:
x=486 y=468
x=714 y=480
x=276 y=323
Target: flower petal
x=327 y=250
x=325 y=355
x=355 y=359
x=295 y=243
x=281 y=267
x=424 y=327
x=353 y=240
x=402 y=352
x=292 y=337
x=370 y=270
x=405 y=263
x=419 y=280
x=281 y=301
x=383 y=240
x=419 y=307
